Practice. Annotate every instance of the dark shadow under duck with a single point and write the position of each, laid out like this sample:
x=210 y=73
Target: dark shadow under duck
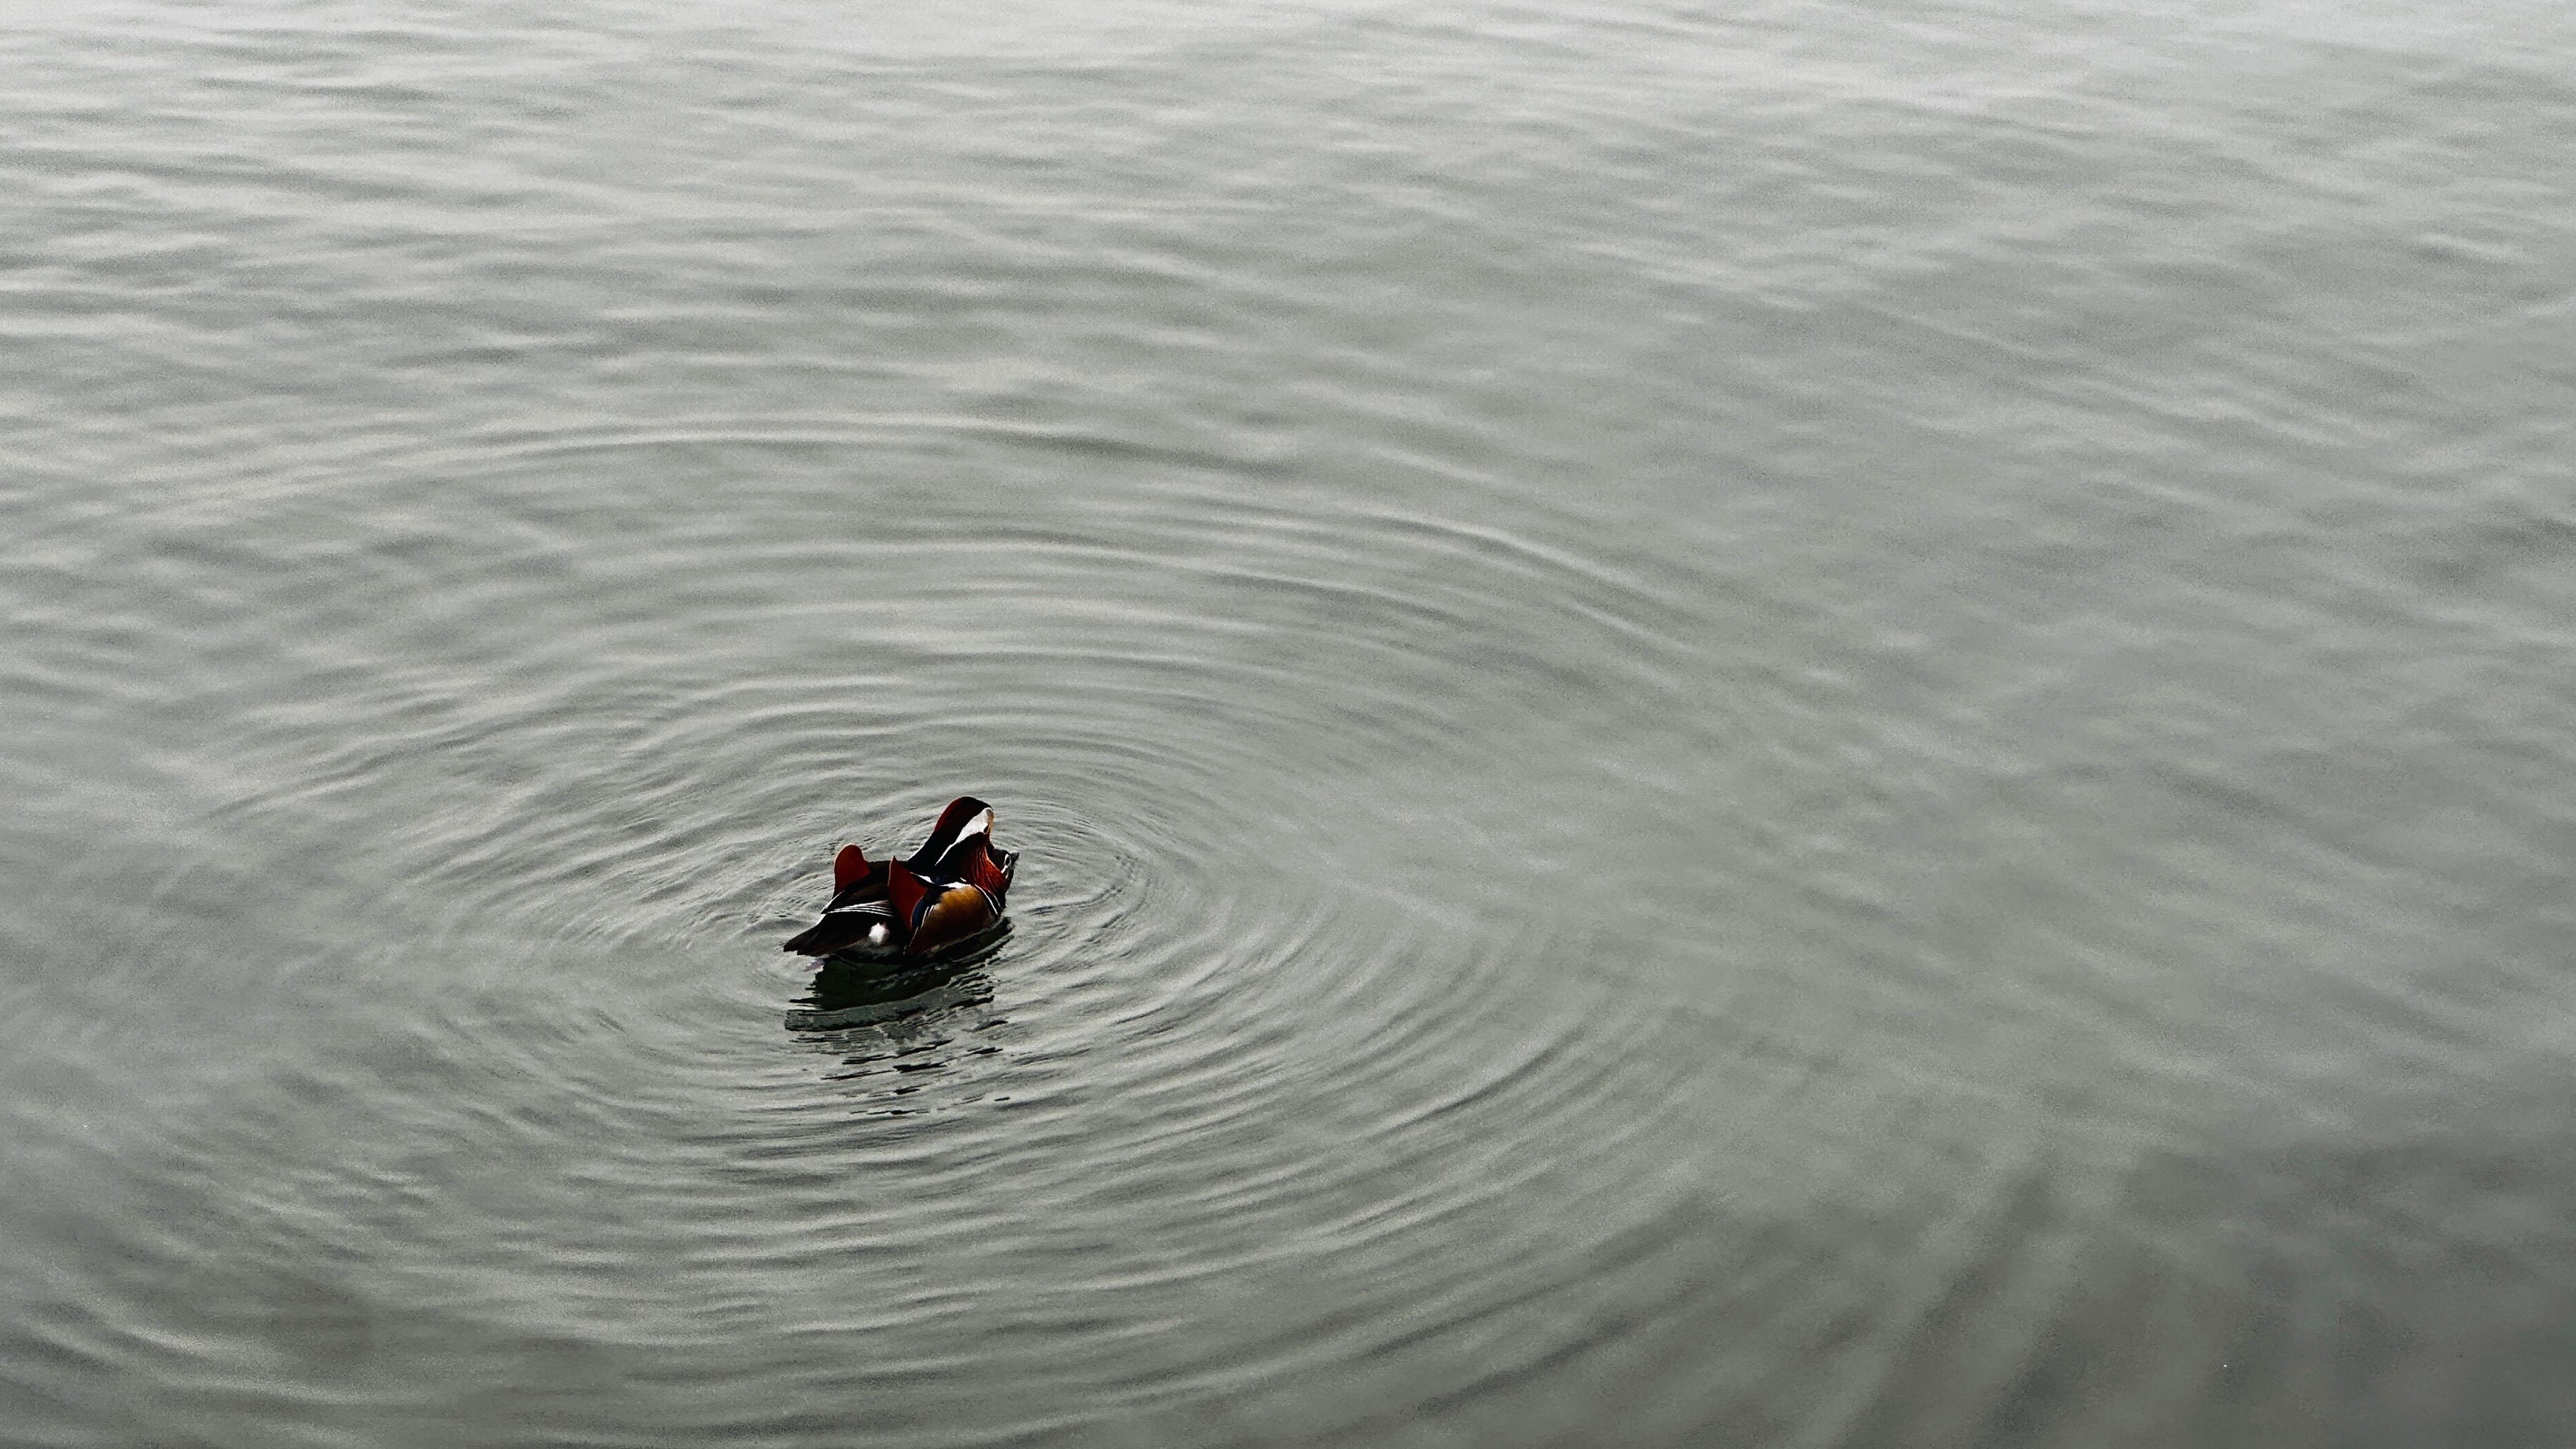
x=850 y=991
x=942 y=899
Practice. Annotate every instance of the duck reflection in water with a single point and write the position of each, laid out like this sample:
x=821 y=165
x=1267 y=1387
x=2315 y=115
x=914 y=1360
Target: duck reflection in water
x=853 y=991
x=899 y=1028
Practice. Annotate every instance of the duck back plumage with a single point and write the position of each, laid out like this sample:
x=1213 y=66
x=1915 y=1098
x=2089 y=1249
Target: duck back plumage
x=949 y=891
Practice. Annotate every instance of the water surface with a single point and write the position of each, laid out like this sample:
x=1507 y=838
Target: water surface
x=1825 y=724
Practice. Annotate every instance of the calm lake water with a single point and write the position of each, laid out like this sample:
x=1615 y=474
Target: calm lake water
x=1822 y=724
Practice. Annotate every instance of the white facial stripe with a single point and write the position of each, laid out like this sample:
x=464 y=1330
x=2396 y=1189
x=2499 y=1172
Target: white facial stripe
x=980 y=825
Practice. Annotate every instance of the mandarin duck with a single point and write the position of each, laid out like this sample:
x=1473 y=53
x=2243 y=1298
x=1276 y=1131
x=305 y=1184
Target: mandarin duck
x=946 y=893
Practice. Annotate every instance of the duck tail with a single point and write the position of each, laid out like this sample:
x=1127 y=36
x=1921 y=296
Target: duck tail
x=832 y=933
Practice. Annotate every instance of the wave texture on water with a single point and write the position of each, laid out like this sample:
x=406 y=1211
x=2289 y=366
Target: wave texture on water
x=1790 y=727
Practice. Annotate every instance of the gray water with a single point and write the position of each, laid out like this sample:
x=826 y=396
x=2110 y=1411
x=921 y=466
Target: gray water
x=1825 y=724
